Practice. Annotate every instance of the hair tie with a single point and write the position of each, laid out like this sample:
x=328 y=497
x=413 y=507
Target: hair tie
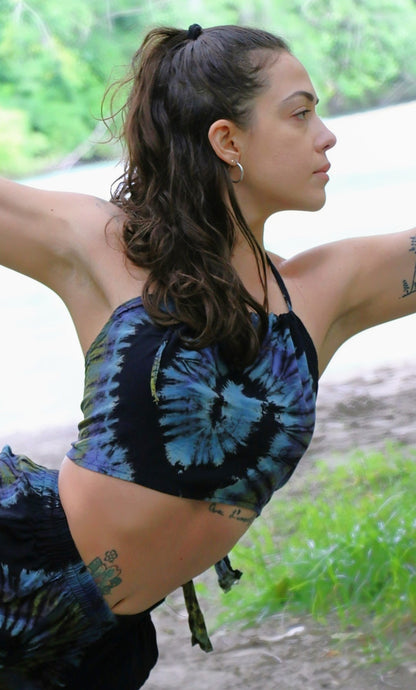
x=194 y=31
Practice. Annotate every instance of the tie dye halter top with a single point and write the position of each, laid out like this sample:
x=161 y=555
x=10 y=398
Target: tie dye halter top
x=182 y=422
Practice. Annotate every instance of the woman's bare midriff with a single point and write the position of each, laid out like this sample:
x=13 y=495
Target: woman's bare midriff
x=140 y=544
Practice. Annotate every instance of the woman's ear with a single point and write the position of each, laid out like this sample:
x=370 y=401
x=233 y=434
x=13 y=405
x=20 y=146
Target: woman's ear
x=223 y=137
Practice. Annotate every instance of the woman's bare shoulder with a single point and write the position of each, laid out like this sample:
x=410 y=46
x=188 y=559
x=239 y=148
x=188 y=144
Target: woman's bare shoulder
x=42 y=232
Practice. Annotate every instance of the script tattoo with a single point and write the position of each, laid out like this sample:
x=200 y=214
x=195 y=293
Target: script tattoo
x=231 y=513
x=104 y=572
x=410 y=288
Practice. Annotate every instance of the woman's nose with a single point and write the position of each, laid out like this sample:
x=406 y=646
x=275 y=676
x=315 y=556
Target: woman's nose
x=328 y=138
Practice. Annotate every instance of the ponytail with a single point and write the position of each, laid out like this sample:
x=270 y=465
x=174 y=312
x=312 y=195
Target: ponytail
x=175 y=190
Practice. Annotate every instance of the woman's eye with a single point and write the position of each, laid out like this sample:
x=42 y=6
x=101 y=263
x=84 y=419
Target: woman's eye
x=302 y=115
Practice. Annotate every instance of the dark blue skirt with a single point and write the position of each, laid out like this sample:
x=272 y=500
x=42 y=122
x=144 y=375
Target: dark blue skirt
x=56 y=630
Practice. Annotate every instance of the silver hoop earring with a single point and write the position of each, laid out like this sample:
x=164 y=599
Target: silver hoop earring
x=241 y=169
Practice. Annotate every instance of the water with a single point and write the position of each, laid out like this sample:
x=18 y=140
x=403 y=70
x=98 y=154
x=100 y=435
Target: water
x=371 y=191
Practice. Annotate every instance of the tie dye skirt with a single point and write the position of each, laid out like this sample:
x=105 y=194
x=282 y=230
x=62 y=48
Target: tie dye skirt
x=56 y=630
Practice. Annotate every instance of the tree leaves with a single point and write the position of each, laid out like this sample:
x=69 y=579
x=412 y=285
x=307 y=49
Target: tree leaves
x=57 y=58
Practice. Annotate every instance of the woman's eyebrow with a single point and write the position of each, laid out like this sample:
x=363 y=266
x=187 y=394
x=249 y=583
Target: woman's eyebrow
x=306 y=94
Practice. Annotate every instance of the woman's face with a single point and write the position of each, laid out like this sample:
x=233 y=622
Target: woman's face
x=283 y=151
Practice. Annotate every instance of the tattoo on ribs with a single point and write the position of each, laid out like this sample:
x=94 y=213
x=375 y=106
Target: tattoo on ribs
x=410 y=289
x=104 y=572
x=231 y=513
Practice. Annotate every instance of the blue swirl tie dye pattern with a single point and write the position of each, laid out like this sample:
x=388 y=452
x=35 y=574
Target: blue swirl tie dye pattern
x=50 y=607
x=181 y=421
x=255 y=425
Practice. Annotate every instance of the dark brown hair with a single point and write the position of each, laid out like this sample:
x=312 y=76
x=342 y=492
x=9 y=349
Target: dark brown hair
x=175 y=190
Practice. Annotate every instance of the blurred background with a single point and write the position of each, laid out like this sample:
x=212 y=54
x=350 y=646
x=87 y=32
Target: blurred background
x=56 y=60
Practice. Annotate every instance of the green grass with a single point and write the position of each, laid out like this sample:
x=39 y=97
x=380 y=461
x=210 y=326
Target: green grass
x=345 y=543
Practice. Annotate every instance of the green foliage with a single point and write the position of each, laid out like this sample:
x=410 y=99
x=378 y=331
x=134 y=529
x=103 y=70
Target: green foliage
x=360 y=53
x=19 y=147
x=56 y=59
x=346 y=546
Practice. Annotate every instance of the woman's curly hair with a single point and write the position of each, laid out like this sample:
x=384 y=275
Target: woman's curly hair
x=182 y=213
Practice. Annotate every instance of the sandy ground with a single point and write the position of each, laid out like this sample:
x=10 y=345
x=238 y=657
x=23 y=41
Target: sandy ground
x=287 y=653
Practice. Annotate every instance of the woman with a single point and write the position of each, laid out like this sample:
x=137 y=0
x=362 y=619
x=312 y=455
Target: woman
x=202 y=351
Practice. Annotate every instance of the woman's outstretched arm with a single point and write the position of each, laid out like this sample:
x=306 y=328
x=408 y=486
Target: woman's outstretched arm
x=382 y=280
x=354 y=284
x=43 y=233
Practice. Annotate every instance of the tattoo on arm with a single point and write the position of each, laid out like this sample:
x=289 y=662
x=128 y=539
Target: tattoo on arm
x=410 y=289
x=232 y=513
x=105 y=573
